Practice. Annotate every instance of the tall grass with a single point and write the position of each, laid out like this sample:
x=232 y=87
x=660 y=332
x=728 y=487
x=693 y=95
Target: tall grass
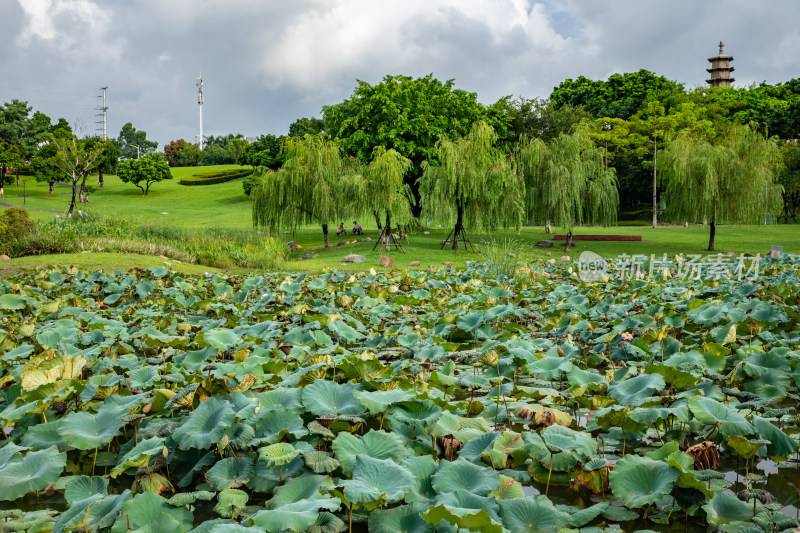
x=502 y=256
x=217 y=247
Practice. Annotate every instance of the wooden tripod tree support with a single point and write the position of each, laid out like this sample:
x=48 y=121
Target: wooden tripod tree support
x=460 y=234
x=387 y=239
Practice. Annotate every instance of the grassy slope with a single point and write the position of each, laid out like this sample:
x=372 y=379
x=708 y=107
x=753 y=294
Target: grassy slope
x=224 y=205
x=108 y=262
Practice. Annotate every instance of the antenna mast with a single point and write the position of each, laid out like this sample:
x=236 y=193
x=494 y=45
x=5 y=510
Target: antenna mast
x=199 y=84
x=104 y=109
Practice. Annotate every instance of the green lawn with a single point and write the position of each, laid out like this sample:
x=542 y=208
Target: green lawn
x=225 y=205
x=221 y=205
x=107 y=262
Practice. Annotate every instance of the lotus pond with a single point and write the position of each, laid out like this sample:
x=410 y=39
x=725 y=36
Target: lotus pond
x=419 y=400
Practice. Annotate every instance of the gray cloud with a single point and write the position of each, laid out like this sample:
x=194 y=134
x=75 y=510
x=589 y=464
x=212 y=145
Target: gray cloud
x=266 y=63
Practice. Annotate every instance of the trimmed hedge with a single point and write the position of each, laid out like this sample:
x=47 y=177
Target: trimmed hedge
x=211 y=178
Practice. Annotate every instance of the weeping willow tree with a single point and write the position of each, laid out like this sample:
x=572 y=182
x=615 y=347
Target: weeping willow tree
x=473 y=184
x=314 y=186
x=566 y=182
x=728 y=181
x=387 y=196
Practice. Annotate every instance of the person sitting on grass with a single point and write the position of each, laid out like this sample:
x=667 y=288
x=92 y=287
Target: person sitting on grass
x=357 y=229
x=340 y=230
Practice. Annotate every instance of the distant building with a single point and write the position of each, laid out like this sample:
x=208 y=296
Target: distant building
x=720 y=70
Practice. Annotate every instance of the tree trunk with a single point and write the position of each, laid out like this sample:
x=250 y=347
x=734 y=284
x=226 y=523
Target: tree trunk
x=100 y=181
x=386 y=237
x=325 y=233
x=785 y=214
x=548 y=228
x=74 y=193
x=378 y=222
x=655 y=183
x=568 y=244
x=52 y=186
x=459 y=225
x=2 y=180
x=712 y=233
x=17 y=175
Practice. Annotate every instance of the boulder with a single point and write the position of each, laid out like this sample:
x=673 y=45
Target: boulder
x=386 y=261
x=426 y=232
x=354 y=258
x=4 y=257
x=551 y=261
x=566 y=258
x=447 y=263
x=545 y=244
x=414 y=263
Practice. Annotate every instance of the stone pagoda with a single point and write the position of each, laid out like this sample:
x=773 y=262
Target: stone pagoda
x=720 y=69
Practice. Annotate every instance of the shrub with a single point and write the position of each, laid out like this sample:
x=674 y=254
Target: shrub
x=212 y=178
x=15 y=224
x=248 y=183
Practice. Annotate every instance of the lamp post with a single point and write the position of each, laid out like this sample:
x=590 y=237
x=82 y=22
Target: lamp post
x=606 y=128
x=137 y=150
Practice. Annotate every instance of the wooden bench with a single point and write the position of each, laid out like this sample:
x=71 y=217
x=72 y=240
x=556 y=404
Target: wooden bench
x=599 y=237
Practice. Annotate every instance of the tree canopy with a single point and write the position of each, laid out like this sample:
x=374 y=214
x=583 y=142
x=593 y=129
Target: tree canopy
x=566 y=181
x=472 y=183
x=729 y=179
x=129 y=138
x=314 y=186
x=145 y=171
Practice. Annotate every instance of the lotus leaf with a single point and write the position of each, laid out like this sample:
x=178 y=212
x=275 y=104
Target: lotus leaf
x=330 y=398
x=150 y=513
x=634 y=391
x=402 y=519
x=139 y=456
x=461 y=474
x=32 y=472
x=375 y=444
x=205 y=425
x=532 y=514
x=297 y=516
x=641 y=481
x=469 y=519
x=230 y=502
x=374 y=479
x=230 y=473
x=728 y=421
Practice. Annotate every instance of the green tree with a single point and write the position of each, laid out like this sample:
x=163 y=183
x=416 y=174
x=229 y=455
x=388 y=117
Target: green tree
x=387 y=196
x=407 y=115
x=9 y=158
x=266 y=151
x=43 y=163
x=566 y=182
x=539 y=117
x=171 y=150
x=789 y=179
x=314 y=186
x=621 y=96
x=473 y=183
x=148 y=170
x=306 y=126
x=129 y=138
x=189 y=155
x=236 y=150
x=75 y=160
x=728 y=181
x=107 y=162
x=215 y=155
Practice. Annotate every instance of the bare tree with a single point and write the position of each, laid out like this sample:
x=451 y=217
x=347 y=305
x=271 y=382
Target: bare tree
x=76 y=161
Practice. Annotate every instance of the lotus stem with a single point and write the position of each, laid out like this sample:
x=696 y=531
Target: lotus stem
x=410 y=434
x=94 y=460
x=549 y=473
x=646 y=511
x=44 y=416
x=108 y=452
x=499 y=383
x=350 y=520
x=383 y=419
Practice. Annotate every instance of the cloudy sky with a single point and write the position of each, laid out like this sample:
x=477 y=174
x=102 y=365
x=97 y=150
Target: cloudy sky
x=267 y=62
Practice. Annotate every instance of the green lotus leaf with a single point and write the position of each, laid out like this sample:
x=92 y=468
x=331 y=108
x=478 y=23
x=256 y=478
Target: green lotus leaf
x=562 y=439
x=195 y=461
x=266 y=478
x=416 y=413
x=422 y=468
x=224 y=526
x=230 y=473
x=231 y=502
x=463 y=429
x=675 y=377
x=582 y=517
x=532 y=514
x=375 y=444
x=762 y=363
x=461 y=474
x=724 y=507
x=221 y=339
x=307 y=487
x=746 y=448
x=330 y=398
x=772 y=385
x=32 y=472
x=379 y=401
x=343 y=331
x=278 y=454
x=641 y=481
x=728 y=421
x=469 y=519
x=150 y=513
x=205 y=425
x=507 y=451
x=85 y=431
x=780 y=444
x=634 y=391
x=153 y=482
x=467 y=501
x=509 y=489
x=185 y=499
x=774 y=521
x=83 y=487
x=75 y=516
x=42 y=436
x=10 y=302
x=281 y=397
x=321 y=462
x=374 y=479
x=402 y=519
x=297 y=516
x=139 y=456
x=275 y=423
x=617 y=513
x=647 y=416
x=550 y=367
x=474 y=449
